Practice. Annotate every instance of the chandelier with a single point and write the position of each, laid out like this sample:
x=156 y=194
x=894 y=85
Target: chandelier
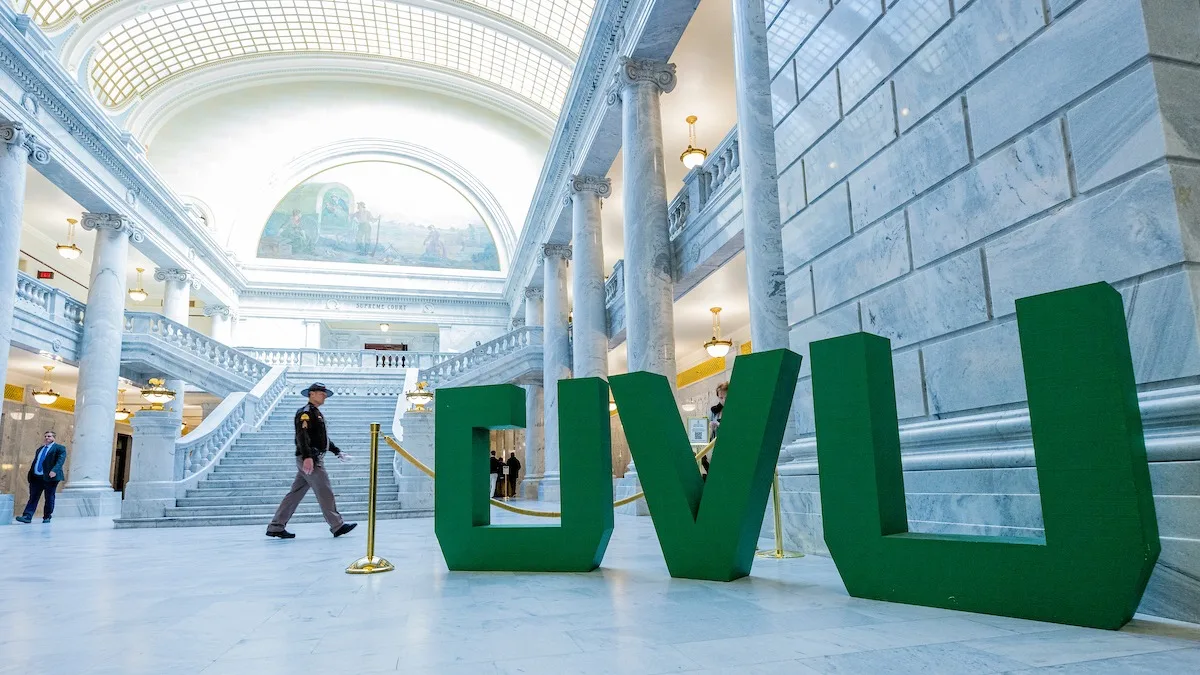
x=692 y=157
x=138 y=294
x=157 y=394
x=46 y=395
x=69 y=250
x=716 y=347
x=123 y=414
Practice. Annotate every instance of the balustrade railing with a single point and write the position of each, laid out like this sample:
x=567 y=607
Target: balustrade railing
x=701 y=183
x=199 y=451
x=335 y=360
x=44 y=300
x=195 y=343
x=614 y=285
x=508 y=343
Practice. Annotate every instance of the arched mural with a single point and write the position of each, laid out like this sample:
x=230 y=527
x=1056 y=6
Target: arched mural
x=379 y=213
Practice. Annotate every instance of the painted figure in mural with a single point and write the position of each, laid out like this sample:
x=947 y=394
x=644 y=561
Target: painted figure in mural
x=434 y=248
x=362 y=219
x=292 y=233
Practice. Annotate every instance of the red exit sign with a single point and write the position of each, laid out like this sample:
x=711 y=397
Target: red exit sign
x=45 y=274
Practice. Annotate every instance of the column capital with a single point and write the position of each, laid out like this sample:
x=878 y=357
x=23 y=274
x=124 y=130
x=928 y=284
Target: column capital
x=636 y=71
x=556 y=251
x=518 y=322
x=534 y=293
x=179 y=275
x=600 y=185
x=14 y=133
x=215 y=310
x=112 y=221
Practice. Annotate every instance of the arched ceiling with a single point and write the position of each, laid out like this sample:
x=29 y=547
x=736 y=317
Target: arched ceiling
x=523 y=48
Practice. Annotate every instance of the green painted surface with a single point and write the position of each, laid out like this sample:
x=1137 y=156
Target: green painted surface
x=1101 y=536
x=709 y=530
x=462 y=517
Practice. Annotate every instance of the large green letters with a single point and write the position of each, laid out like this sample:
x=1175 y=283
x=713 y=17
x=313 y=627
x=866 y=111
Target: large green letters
x=1101 y=537
x=462 y=517
x=709 y=530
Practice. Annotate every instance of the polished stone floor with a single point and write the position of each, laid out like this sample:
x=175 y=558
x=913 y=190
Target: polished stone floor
x=78 y=597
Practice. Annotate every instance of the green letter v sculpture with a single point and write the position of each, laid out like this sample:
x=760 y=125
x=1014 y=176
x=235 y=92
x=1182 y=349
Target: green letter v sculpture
x=709 y=530
x=1101 y=537
x=462 y=517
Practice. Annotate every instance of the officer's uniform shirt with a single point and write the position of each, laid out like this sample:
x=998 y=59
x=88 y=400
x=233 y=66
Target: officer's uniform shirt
x=312 y=438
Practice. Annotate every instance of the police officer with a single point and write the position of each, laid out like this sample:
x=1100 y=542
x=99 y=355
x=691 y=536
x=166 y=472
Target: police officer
x=312 y=442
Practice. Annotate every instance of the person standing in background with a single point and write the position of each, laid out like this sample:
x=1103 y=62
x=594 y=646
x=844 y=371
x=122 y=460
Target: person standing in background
x=514 y=467
x=497 y=468
x=44 y=475
x=714 y=421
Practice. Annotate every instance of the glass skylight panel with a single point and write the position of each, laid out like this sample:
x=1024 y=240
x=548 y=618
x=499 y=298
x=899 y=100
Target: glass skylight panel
x=200 y=33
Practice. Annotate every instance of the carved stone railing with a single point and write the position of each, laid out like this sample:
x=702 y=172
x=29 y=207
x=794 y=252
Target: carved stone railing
x=198 y=452
x=46 y=319
x=155 y=345
x=705 y=229
x=510 y=343
x=339 y=360
x=704 y=182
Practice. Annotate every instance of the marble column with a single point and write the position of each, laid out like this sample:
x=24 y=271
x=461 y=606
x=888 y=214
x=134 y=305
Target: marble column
x=590 y=342
x=649 y=288
x=177 y=297
x=222 y=328
x=535 y=440
x=556 y=357
x=89 y=488
x=17 y=148
x=760 y=190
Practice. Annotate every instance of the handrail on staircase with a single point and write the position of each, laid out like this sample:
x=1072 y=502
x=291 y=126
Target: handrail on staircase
x=512 y=341
x=197 y=453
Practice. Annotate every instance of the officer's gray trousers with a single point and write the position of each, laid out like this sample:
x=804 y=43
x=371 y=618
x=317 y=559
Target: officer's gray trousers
x=318 y=480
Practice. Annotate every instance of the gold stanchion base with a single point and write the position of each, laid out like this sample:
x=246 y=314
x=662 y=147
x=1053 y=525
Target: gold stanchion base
x=369 y=565
x=778 y=554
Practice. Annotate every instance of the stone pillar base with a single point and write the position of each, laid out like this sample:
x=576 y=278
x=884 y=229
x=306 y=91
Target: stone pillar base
x=6 y=509
x=625 y=487
x=416 y=492
x=549 y=489
x=530 y=487
x=147 y=500
x=88 y=503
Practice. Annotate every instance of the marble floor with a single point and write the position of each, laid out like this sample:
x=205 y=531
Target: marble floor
x=78 y=597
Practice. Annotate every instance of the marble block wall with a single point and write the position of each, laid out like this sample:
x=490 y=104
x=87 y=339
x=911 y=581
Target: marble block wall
x=939 y=159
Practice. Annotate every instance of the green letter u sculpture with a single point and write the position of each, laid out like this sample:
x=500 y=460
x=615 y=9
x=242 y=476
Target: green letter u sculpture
x=709 y=530
x=462 y=517
x=1101 y=537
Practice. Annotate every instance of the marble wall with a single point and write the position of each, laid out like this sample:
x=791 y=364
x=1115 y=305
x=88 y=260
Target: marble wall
x=21 y=430
x=939 y=160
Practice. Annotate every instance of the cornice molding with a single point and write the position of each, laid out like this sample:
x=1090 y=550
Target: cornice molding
x=113 y=222
x=14 y=134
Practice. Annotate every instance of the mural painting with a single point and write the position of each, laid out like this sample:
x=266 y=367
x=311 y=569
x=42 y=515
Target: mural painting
x=379 y=213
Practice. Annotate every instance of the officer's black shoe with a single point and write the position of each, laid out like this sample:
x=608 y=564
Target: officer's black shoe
x=45 y=520
x=346 y=527
x=282 y=534
x=24 y=519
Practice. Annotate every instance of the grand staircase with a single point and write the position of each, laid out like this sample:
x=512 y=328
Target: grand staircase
x=251 y=479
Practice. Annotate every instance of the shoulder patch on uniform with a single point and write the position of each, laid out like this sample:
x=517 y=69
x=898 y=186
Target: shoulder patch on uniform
x=303 y=417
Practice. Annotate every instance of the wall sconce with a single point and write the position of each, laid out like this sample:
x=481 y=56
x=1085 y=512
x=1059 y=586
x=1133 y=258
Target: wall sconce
x=385 y=327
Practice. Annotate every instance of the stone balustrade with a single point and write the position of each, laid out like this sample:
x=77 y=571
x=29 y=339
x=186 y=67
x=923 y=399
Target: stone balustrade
x=705 y=229
x=520 y=341
x=46 y=319
x=154 y=345
x=199 y=451
x=338 y=360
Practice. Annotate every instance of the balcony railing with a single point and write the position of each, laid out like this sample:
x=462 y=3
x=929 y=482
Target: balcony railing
x=509 y=343
x=341 y=360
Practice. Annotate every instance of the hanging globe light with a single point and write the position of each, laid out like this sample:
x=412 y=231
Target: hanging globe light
x=122 y=414
x=46 y=395
x=157 y=394
x=716 y=347
x=138 y=294
x=692 y=157
x=69 y=250
x=420 y=397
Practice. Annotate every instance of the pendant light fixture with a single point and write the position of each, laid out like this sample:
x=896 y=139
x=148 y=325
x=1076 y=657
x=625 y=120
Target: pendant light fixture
x=693 y=156
x=123 y=414
x=716 y=347
x=157 y=394
x=419 y=397
x=46 y=395
x=138 y=294
x=69 y=250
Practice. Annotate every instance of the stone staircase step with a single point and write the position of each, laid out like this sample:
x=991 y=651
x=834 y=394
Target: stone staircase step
x=224 y=484
x=308 y=506
x=209 y=521
x=271 y=501
x=251 y=495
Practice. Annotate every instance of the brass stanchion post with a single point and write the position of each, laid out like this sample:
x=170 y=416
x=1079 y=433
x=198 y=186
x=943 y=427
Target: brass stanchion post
x=370 y=564
x=778 y=553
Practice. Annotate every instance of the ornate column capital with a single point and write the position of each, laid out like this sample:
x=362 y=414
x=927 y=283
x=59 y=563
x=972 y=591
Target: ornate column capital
x=518 y=322
x=114 y=222
x=214 y=310
x=600 y=185
x=534 y=293
x=14 y=133
x=635 y=71
x=556 y=251
x=179 y=275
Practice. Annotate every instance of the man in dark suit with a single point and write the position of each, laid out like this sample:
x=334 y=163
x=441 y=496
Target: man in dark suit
x=497 y=468
x=44 y=475
x=514 y=467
